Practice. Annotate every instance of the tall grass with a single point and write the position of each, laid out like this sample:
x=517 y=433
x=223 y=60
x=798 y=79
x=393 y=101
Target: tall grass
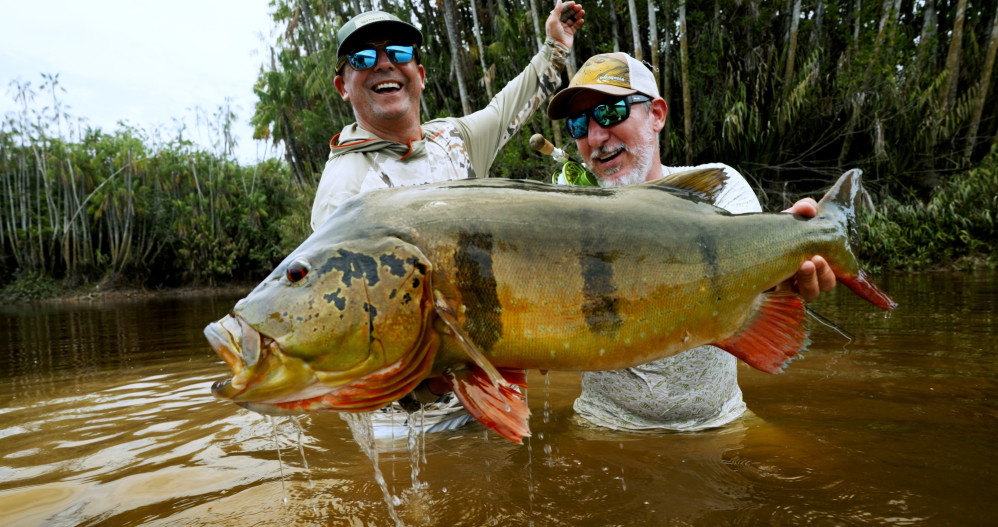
x=113 y=208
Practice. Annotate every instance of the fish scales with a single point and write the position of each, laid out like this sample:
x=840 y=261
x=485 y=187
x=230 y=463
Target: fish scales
x=587 y=277
x=462 y=285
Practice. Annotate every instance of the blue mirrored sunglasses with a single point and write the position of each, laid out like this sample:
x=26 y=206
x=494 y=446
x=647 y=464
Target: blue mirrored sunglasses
x=605 y=114
x=366 y=58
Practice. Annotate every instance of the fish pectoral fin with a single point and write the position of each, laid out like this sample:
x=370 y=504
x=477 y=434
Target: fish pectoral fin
x=774 y=334
x=445 y=310
x=501 y=408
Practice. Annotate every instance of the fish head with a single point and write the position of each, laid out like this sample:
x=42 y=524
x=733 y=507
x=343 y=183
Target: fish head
x=342 y=326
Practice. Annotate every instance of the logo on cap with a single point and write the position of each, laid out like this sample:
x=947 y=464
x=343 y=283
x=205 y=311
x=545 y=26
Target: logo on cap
x=373 y=17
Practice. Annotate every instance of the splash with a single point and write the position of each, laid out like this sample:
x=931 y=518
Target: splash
x=363 y=434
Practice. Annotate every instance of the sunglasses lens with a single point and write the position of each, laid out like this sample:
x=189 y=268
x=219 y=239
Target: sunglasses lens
x=613 y=113
x=363 y=59
x=578 y=126
x=399 y=54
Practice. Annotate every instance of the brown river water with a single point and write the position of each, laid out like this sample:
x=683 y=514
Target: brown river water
x=106 y=418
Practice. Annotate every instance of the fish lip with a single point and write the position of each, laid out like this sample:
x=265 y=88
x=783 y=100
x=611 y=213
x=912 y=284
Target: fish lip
x=241 y=347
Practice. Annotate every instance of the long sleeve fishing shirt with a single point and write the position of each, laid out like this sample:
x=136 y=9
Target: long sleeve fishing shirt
x=450 y=148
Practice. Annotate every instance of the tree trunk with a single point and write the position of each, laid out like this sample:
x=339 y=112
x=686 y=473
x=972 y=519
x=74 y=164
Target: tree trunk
x=666 y=83
x=983 y=87
x=455 y=52
x=613 y=25
x=635 y=30
x=860 y=96
x=486 y=78
x=926 y=40
x=953 y=59
x=684 y=61
x=791 y=47
x=653 y=40
x=534 y=16
x=819 y=17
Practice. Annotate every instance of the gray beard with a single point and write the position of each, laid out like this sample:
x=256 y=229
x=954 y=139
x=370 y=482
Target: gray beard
x=643 y=155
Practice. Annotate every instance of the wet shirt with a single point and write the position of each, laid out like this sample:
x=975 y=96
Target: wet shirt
x=694 y=390
x=450 y=148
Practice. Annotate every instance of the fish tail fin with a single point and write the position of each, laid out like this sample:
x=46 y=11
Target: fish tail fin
x=499 y=407
x=774 y=335
x=840 y=205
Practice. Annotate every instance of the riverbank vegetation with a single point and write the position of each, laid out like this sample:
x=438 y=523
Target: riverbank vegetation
x=791 y=93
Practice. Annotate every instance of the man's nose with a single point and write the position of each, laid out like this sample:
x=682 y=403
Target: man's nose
x=381 y=61
x=597 y=134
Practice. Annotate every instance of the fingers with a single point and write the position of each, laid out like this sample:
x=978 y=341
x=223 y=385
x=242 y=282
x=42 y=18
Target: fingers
x=814 y=277
x=564 y=20
x=806 y=207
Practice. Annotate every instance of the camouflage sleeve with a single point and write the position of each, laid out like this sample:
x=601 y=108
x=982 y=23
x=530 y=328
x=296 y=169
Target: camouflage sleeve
x=487 y=130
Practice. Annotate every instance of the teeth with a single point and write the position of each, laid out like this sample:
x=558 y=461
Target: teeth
x=251 y=344
x=387 y=86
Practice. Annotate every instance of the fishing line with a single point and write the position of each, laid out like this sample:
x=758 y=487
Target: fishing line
x=825 y=321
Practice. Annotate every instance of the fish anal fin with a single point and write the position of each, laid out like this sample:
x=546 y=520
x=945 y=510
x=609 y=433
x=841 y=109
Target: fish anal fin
x=774 y=335
x=500 y=408
x=860 y=284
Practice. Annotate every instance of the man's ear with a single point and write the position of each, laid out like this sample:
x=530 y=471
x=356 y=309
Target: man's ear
x=341 y=87
x=422 y=78
x=659 y=109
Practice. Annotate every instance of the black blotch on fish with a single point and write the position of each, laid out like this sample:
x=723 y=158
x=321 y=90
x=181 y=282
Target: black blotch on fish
x=395 y=265
x=371 y=313
x=352 y=265
x=480 y=294
x=335 y=298
x=600 y=307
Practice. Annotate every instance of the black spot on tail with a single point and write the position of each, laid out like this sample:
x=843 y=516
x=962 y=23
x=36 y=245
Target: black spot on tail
x=601 y=304
x=476 y=280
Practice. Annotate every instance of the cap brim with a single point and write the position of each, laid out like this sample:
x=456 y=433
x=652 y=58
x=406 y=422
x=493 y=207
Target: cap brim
x=394 y=30
x=558 y=109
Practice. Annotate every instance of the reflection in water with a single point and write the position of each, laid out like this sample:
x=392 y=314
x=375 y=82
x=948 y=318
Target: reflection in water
x=106 y=418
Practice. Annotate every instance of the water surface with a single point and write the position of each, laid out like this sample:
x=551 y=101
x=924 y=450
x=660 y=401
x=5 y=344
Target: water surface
x=106 y=418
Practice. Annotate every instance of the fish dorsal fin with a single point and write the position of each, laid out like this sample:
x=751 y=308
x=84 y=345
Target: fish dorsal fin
x=502 y=408
x=774 y=334
x=703 y=184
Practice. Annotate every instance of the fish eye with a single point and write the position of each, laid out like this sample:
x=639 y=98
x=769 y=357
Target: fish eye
x=296 y=272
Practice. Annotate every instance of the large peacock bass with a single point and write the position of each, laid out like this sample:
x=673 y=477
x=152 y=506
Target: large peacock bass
x=469 y=283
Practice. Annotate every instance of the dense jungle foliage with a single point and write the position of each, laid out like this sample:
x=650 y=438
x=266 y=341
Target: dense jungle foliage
x=791 y=93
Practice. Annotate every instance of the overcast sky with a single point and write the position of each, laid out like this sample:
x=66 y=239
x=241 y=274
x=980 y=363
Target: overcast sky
x=147 y=63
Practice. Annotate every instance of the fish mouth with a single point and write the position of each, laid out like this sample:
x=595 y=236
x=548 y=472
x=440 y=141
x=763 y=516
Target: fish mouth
x=267 y=380
x=261 y=372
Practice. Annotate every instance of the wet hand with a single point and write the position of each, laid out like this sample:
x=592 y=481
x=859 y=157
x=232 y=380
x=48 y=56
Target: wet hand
x=814 y=275
x=564 y=32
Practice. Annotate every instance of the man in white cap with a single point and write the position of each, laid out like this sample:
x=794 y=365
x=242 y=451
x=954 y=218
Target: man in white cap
x=378 y=72
x=613 y=110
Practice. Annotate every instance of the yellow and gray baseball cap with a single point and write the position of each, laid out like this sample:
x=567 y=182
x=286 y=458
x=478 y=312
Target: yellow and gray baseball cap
x=610 y=73
x=375 y=25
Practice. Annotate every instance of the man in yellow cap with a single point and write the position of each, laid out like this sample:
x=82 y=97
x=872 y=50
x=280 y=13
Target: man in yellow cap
x=613 y=110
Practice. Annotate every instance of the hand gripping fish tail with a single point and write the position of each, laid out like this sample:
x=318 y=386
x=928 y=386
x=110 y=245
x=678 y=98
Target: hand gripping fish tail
x=842 y=201
x=775 y=334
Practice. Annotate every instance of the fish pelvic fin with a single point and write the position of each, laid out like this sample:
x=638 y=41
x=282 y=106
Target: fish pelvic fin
x=702 y=184
x=840 y=204
x=774 y=335
x=501 y=408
